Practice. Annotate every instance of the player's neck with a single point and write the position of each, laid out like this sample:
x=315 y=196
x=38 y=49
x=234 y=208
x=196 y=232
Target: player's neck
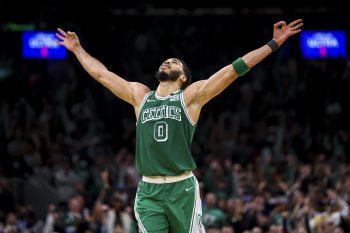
x=165 y=88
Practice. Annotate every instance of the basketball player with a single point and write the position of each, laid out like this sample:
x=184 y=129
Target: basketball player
x=168 y=195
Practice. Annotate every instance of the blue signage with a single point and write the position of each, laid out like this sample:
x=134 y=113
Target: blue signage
x=42 y=45
x=323 y=44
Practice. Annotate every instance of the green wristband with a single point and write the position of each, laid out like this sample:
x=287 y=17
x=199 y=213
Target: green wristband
x=240 y=66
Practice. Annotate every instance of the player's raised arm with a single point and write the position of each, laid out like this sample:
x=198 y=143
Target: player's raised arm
x=202 y=91
x=131 y=92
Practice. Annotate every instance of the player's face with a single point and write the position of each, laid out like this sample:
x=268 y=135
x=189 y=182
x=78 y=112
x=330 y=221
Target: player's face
x=170 y=69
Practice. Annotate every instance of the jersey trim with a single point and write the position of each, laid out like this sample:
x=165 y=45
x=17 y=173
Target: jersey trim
x=185 y=109
x=143 y=103
x=164 y=97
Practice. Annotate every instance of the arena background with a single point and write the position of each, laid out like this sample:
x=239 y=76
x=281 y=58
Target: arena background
x=272 y=150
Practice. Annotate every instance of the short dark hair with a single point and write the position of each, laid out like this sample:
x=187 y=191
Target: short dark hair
x=188 y=75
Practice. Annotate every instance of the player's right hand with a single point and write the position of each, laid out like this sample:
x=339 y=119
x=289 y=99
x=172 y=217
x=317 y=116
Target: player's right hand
x=68 y=39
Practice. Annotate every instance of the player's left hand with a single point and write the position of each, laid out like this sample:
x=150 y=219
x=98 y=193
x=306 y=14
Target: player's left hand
x=281 y=30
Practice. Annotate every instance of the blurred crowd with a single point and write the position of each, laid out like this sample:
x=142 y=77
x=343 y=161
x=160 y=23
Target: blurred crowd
x=272 y=150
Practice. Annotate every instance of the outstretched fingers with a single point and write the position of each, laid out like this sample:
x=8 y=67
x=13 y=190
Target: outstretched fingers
x=61 y=35
x=62 y=32
x=295 y=25
x=295 y=22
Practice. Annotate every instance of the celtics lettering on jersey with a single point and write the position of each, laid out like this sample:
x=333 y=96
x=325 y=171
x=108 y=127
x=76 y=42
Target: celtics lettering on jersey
x=164 y=134
x=161 y=112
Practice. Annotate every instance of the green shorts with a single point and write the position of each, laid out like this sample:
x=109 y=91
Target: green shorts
x=169 y=207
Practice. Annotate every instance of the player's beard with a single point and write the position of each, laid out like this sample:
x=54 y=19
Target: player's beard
x=171 y=76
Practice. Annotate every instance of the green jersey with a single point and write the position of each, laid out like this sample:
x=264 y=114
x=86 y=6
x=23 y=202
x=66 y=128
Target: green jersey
x=164 y=133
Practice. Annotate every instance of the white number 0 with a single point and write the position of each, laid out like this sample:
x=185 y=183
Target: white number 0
x=161 y=131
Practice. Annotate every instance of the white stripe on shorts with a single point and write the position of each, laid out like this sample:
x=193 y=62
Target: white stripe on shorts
x=196 y=222
x=137 y=216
